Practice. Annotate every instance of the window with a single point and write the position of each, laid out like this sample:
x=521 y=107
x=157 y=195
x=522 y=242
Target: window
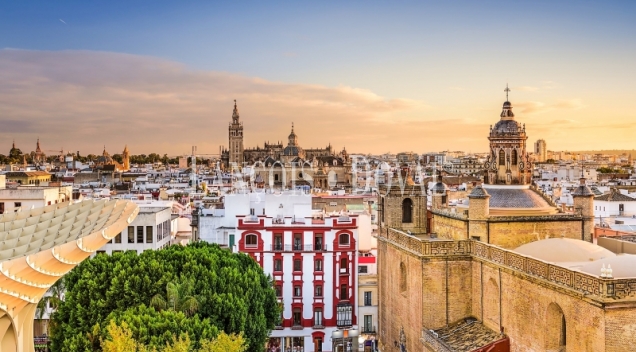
x=318 y=243
x=513 y=157
x=298 y=265
x=344 y=268
x=140 y=234
x=343 y=314
x=278 y=242
x=279 y=291
x=363 y=269
x=278 y=265
x=149 y=234
x=17 y=204
x=1 y=207
x=296 y=317
x=343 y=239
x=407 y=210
x=131 y=234
x=502 y=157
x=298 y=242
x=251 y=241
x=318 y=291
x=368 y=324
x=118 y=238
x=318 y=317
x=367 y=298
x=344 y=291
x=318 y=265
x=101 y=252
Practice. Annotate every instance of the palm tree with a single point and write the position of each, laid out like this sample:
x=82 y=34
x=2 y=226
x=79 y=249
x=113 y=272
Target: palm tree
x=52 y=298
x=178 y=298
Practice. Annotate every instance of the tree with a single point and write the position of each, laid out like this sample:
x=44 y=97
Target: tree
x=234 y=295
x=178 y=297
x=224 y=343
x=53 y=298
x=120 y=339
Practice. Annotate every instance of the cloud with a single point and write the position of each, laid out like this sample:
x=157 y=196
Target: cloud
x=82 y=100
x=537 y=107
x=545 y=85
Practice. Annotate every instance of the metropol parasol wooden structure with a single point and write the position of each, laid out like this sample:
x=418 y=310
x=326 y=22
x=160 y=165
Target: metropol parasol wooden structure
x=38 y=246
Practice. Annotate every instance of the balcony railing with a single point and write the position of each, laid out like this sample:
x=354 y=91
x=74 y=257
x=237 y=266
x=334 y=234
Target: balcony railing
x=298 y=248
x=368 y=329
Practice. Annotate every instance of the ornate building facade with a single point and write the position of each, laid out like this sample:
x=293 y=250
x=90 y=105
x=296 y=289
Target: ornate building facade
x=508 y=162
x=506 y=271
x=235 y=136
x=286 y=165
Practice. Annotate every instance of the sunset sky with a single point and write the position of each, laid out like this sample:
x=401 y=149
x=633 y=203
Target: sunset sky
x=374 y=76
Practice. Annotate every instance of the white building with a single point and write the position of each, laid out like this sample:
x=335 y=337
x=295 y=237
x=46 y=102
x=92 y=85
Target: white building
x=153 y=229
x=27 y=197
x=614 y=204
x=312 y=257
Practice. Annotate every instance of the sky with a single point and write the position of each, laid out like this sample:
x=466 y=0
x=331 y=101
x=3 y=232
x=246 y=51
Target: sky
x=371 y=76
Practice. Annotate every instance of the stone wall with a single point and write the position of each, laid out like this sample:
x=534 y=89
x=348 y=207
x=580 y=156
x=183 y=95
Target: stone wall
x=393 y=199
x=512 y=234
x=523 y=296
x=620 y=329
x=450 y=226
x=399 y=308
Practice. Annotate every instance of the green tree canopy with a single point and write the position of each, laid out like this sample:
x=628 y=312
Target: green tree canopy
x=233 y=294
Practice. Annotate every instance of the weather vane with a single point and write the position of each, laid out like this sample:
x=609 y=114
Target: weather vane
x=507 y=90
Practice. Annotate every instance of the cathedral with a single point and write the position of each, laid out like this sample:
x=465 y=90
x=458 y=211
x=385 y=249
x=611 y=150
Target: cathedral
x=505 y=270
x=283 y=165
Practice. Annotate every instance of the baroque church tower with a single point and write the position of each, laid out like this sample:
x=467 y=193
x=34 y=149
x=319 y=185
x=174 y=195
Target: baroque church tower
x=236 y=138
x=126 y=158
x=508 y=162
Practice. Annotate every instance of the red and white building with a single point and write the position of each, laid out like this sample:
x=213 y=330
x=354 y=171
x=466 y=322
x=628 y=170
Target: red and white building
x=310 y=255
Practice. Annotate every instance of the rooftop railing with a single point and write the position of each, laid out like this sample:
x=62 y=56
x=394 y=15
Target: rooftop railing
x=584 y=283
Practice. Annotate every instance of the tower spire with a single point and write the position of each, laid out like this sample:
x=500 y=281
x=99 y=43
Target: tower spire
x=507 y=90
x=235 y=113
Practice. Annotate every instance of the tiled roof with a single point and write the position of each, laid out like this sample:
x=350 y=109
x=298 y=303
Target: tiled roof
x=27 y=173
x=582 y=190
x=615 y=196
x=478 y=192
x=467 y=335
x=515 y=198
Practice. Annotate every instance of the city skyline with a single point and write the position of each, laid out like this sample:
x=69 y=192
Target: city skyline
x=373 y=78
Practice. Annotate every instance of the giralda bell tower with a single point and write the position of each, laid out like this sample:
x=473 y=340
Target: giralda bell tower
x=236 y=138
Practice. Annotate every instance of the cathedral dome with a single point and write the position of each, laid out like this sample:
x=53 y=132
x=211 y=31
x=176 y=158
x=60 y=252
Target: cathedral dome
x=507 y=126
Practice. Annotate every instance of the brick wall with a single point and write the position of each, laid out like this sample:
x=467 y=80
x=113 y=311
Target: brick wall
x=514 y=234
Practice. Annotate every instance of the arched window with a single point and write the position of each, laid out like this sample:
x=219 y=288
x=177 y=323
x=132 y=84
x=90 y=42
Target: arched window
x=407 y=210
x=402 y=277
x=343 y=239
x=556 y=334
x=251 y=241
x=502 y=157
x=513 y=158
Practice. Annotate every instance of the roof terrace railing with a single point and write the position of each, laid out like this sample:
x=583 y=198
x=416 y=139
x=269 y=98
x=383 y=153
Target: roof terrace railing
x=583 y=283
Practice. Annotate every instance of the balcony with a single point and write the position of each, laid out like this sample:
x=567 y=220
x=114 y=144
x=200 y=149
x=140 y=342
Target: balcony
x=298 y=248
x=368 y=329
x=297 y=326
